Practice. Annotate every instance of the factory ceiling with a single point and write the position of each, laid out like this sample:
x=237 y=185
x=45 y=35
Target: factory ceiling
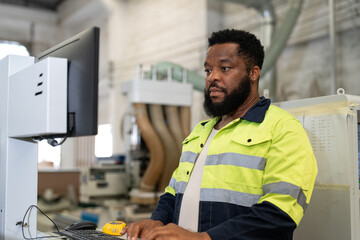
x=51 y=5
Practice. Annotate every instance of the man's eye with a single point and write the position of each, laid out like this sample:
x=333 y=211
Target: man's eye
x=207 y=71
x=225 y=68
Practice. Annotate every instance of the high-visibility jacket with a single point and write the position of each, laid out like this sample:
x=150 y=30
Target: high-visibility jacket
x=257 y=180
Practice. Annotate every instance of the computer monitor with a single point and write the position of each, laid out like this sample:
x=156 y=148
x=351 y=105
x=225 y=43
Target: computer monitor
x=82 y=53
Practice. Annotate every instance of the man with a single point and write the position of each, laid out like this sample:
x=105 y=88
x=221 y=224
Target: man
x=249 y=172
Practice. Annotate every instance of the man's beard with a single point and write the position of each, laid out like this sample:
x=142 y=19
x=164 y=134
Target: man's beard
x=231 y=101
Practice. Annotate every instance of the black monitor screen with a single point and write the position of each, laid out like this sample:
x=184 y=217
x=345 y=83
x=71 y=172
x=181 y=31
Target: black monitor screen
x=82 y=53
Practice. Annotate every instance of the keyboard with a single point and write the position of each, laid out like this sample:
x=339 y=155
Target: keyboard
x=88 y=235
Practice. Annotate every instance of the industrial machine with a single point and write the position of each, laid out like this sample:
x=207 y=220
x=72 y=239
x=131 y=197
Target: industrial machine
x=158 y=120
x=102 y=182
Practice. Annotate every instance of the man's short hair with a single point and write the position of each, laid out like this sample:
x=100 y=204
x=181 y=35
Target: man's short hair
x=250 y=48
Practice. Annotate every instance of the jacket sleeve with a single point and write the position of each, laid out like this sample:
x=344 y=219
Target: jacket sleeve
x=263 y=221
x=165 y=209
x=290 y=170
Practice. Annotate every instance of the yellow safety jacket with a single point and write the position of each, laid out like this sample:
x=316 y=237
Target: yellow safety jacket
x=248 y=163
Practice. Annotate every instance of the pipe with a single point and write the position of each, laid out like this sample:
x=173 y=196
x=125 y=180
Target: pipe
x=267 y=29
x=172 y=115
x=171 y=153
x=267 y=14
x=174 y=123
x=185 y=112
x=332 y=36
x=153 y=142
x=193 y=78
x=185 y=119
x=282 y=35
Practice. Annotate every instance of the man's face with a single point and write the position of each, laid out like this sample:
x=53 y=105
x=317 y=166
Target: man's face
x=227 y=82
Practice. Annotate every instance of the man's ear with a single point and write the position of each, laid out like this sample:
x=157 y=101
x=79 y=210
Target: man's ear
x=255 y=73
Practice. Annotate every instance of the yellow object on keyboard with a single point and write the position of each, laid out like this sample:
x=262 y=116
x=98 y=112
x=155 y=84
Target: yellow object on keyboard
x=113 y=227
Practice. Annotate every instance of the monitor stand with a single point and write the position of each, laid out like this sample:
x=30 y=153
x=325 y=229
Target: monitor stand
x=18 y=163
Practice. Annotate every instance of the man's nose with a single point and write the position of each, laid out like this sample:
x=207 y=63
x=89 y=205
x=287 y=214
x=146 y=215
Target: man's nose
x=214 y=76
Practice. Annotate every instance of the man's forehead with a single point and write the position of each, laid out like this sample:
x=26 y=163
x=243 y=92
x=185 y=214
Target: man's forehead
x=222 y=52
x=226 y=49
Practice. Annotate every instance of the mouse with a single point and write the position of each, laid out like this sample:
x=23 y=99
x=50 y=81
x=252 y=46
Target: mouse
x=81 y=225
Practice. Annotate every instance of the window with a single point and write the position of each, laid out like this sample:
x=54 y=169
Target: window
x=104 y=141
x=48 y=156
x=15 y=48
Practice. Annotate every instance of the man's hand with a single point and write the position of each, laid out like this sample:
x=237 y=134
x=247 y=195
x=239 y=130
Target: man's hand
x=138 y=229
x=173 y=232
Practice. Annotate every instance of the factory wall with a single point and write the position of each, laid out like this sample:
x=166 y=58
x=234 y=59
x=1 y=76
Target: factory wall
x=304 y=68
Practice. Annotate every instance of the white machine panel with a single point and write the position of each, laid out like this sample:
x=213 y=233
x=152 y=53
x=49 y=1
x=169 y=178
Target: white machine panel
x=38 y=99
x=158 y=92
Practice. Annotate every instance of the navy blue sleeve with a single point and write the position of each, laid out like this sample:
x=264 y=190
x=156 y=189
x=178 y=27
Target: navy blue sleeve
x=164 y=211
x=263 y=221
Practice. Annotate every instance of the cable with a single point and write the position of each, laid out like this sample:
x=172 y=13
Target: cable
x=23 y=224
x=51 y=141
x=55 y=143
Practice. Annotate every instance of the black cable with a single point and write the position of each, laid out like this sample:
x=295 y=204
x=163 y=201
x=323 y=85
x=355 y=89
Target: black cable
x=51 y=141
x=23 y=224
x=55 y=143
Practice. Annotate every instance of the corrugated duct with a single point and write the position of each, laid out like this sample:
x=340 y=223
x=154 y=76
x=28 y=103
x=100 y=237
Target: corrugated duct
x=154 y=144
x=170 y=149
x=174 y=123
x=185 y=117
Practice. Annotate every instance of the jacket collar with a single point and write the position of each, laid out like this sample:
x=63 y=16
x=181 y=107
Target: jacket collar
x=255 y=114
